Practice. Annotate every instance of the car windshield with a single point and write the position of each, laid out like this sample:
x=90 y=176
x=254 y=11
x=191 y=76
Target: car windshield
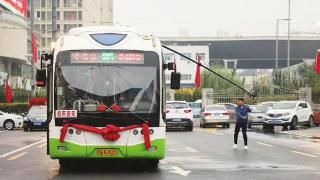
x=258 y=109
x=84 y=87
x=284 y=105
x=177 y=105
x=194 y=105
x=215 y=108
x=38 y=111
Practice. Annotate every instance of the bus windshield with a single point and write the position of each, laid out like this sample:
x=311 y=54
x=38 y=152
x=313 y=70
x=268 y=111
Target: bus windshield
x=84 y=86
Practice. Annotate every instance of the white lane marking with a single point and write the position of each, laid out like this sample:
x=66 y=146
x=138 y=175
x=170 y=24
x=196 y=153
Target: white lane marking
x=305 y=154
x=17 y=156
x=173 y=150
x=221 y=134
x=264 y=144
x=191 y=149
x=180 y=171
x=163 y=162
x=3 y=131
x=42 y=145
x=23 y=148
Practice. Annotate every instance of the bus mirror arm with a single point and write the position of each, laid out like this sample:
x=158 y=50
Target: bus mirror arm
x=45 y=57
x=219 y=75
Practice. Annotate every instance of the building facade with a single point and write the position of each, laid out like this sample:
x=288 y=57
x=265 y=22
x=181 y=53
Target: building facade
x=184 y=66
x=70 y=14
x=14 y=50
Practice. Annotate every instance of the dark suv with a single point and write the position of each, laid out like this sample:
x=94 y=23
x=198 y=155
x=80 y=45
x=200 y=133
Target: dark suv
x=36 y=118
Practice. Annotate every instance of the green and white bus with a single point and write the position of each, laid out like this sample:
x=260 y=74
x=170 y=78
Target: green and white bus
x=105 y=95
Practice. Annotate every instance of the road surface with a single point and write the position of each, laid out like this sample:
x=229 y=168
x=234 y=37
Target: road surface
x=201 y=154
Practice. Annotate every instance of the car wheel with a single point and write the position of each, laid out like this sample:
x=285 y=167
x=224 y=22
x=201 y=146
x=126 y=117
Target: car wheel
x=204 y=125
x=317 y=124
x=8 y=124
x=294 y=123
x=189 y=128
x=201 y=126
x=284 y=127
x=310 y=121
x=228 y=125
x=268 y=127
x=25 y=128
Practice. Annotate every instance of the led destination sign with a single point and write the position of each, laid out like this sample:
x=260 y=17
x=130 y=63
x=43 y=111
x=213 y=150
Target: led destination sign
x=107 y=57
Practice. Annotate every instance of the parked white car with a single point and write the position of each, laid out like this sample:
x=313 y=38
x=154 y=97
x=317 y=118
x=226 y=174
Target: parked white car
x=215 y=115
x=10 y=121
x=269 y=104
x=289 y=113
x=179 y=115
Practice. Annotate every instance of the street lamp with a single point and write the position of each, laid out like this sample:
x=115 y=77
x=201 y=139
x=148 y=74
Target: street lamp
x=277 y=41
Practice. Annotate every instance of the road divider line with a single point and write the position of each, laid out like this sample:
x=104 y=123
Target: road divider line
x=221 y=134
x=3 y=131
x=191 y=149
x=42 y=145
x=305 y=154
x=179 y=171
x=264 y=144
x=22 y=148
x=17 y=156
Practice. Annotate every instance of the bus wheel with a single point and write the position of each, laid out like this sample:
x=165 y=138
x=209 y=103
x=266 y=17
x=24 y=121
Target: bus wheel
x=65 y=163
x=152 y=163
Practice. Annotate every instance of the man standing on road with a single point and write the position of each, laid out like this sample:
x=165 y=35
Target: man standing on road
x=241 y=122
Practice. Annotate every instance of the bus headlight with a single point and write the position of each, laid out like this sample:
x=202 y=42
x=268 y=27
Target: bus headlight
x=135 y=132
x=61 y=148
x=152 y=148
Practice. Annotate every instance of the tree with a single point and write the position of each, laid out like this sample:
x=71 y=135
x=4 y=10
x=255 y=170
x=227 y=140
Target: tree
x=210 y=80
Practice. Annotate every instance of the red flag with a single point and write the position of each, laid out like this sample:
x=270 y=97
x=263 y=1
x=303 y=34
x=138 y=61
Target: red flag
x=34 y=48
x=197 y=80
x=8 y=93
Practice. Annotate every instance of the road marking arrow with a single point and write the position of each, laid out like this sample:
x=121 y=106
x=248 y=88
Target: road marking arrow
x=180 y=171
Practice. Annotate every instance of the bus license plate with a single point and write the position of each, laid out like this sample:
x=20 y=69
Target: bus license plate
x=106 y=152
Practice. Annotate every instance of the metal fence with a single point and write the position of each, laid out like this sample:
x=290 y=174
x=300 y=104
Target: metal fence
x=263 y=93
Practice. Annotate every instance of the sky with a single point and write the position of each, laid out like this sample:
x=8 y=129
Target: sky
x=212 y=18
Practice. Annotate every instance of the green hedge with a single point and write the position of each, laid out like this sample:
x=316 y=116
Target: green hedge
x=17 y=108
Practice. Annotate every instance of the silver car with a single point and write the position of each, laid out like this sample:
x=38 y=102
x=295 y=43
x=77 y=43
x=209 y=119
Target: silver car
x=257 y=115
x=215 y=115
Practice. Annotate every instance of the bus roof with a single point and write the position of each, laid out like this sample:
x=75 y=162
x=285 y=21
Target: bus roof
x=82 y=38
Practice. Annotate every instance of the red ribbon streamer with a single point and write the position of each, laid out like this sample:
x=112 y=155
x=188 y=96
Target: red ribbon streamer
x=110 y=132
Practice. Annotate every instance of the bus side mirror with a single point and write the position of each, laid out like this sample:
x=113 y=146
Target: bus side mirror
x=175 y=80
x=171 y=66
x=41 y=77
x=46 y=57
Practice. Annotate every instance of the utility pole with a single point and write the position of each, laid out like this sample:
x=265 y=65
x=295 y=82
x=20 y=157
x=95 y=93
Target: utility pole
x=277 y=41
x=289 y=19
x=33 y=84
x=54 y=20
x=277 y=44
x=288 y=56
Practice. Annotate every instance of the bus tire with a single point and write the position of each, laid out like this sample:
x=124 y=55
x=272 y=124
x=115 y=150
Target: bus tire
x=152 y=163
x=65 y=163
